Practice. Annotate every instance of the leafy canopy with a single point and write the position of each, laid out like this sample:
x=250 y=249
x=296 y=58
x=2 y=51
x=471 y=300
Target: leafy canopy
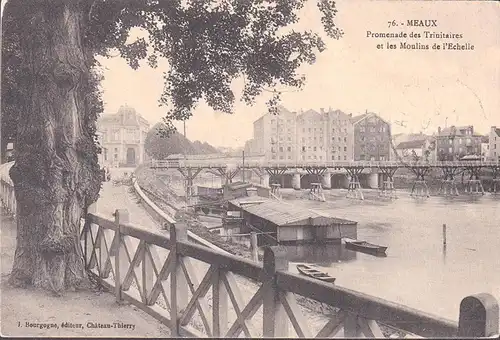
x=210 y=43
x=207 y=43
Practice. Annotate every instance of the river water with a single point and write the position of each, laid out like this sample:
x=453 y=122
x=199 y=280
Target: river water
x=417 y=271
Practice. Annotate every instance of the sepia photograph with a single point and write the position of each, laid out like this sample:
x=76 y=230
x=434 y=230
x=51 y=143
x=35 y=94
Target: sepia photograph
x=250 y=168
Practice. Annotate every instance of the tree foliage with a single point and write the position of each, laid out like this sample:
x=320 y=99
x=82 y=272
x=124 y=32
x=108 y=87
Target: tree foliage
x=159 y=147
x=207 y=44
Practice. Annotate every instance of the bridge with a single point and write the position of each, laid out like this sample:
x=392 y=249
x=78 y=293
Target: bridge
x=201 y=291
x=375 y=171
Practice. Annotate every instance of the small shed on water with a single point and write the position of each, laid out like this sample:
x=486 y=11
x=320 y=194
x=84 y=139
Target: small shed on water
x=288 y=223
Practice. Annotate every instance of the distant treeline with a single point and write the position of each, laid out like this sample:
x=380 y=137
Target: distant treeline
x=159 y=147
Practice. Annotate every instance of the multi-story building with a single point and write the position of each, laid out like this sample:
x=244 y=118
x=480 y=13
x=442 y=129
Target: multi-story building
x=494 y=144
x=372 y=138
x=323 y=136
x=276 y=136
x=340 y=137
x=312 y=136
x=455 y=142
x=122 y=137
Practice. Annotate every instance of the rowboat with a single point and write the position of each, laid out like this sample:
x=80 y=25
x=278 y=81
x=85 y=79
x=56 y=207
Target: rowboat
x=314 y=273
x=365 y=247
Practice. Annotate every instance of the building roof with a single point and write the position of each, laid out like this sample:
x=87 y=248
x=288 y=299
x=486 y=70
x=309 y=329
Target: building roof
x=285 y=214
x=458 y=130
x=125 y=116
x=497 y=130
x=411 y=144
x=238 y=185
x=359 y=118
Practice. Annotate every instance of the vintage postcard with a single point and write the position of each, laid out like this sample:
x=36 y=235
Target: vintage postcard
x=250 y=168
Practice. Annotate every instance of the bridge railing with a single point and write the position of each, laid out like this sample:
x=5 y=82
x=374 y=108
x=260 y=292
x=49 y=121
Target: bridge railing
x=200 y=292
x=221 y=163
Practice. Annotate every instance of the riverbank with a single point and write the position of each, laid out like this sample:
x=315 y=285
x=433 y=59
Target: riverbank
x=164 y=197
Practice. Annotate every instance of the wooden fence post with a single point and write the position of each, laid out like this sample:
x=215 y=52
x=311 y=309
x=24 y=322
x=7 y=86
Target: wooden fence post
x=178 y=284
x=478 y=316
x=220 y=306
x=253 y=245
x=121 y=217
x=275 y=319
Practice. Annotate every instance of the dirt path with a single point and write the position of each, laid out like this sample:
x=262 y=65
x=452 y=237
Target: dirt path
x=28 y=312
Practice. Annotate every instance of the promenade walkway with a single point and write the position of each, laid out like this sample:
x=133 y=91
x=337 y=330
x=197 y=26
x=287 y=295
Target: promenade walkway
x=21 y=306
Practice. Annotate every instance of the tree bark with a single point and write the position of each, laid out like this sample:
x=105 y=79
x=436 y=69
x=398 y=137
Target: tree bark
x=55 y=163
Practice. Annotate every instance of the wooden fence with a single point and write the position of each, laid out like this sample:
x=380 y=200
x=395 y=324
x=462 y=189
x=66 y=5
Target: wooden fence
x=197 y=291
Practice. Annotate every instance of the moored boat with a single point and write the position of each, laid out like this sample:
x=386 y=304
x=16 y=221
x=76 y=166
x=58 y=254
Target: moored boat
x=366 y=247
x=306 y=270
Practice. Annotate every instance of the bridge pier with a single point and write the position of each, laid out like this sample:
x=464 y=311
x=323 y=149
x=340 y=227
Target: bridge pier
x=326 y=182
x=373 y=181
x=189 y=175
x=265 y=179
x=275 y=191
x=296 y=181
x=354 y=187
x=275 y=175
x=448 y=181
x=495 y=185
x=227 y=174
x=388 y=189
x=419 y=187
x=316 y=192
x=474 y=181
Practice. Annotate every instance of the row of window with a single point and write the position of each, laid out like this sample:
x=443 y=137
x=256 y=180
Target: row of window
x=373 y=129
x=450 y=141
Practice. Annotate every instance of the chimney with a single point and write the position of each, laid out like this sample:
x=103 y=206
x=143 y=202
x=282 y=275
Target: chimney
x=439 y=130
x=322 y=110
x=251 y=192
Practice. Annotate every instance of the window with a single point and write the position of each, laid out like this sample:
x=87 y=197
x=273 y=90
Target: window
x=450 y=150
x=281 y=149
x=362 y=129
x=289 y=149
x=320 y=158
x=450 y=142
x=338 y=158
x=460 y=141
x=333 y=158
x=105 y=154
x=345 y=139
x=345 y=148
x=314 y=149
x=303 y=148
x=281 y=157
x=345 y=158
x=333 y=130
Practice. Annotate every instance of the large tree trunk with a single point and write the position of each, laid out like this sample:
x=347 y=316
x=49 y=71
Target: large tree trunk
x=56 y=162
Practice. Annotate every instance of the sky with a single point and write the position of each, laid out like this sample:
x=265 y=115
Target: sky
x=415 y=90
